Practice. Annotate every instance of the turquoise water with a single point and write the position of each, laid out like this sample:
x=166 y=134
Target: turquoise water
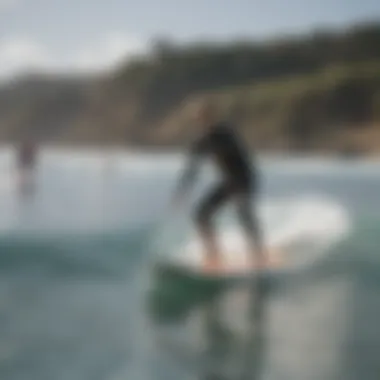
x=78 y=299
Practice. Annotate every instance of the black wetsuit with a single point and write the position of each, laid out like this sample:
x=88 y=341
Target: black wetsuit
x=239 y=178
x=26 y=157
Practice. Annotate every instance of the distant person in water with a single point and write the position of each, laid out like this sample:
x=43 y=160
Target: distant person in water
x=239 y=184
x=26 y=163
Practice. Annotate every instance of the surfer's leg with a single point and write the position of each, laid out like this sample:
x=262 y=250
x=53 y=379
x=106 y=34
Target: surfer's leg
x=250 y=222
x=205 y=212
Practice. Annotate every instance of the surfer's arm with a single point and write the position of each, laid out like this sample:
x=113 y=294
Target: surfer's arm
x=189 y=175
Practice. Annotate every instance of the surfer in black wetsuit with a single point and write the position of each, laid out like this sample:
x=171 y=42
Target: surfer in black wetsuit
x=239 y=183
x=26 y=162
x=26 y=156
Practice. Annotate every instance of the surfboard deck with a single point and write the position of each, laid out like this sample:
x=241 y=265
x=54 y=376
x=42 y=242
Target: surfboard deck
x=238 y=269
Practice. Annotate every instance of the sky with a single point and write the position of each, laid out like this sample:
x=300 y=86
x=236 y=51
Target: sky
x=94 y=35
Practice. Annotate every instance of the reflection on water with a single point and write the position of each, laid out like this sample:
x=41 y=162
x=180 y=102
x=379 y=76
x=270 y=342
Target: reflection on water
x=26 y=184
x=252 y=346
x=275 y=328
x=225 y=353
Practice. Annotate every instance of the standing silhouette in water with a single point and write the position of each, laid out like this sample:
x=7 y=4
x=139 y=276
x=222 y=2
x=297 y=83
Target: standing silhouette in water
x=26 y=164
x=239 y=184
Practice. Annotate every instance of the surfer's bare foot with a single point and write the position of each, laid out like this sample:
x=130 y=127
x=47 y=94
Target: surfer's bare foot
x=212 y=264
x=271 y=259
x=263 y=261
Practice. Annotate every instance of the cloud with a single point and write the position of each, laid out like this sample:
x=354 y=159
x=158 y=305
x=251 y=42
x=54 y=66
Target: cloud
x=20 y=54
x=110 y=51
x=8 y=4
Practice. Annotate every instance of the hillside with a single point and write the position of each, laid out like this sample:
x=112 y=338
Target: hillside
x=320 y=91
x=335 y=108
x=41 y=107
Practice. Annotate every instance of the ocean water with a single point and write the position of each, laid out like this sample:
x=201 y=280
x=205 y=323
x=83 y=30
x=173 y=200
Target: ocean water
x=79 y=299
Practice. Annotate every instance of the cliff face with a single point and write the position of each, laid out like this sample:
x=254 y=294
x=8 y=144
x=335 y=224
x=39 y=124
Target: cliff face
x=320 y=91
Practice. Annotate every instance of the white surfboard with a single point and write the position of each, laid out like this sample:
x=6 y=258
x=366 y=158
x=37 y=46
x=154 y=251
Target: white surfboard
x=234 y=261
x=311 y=228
